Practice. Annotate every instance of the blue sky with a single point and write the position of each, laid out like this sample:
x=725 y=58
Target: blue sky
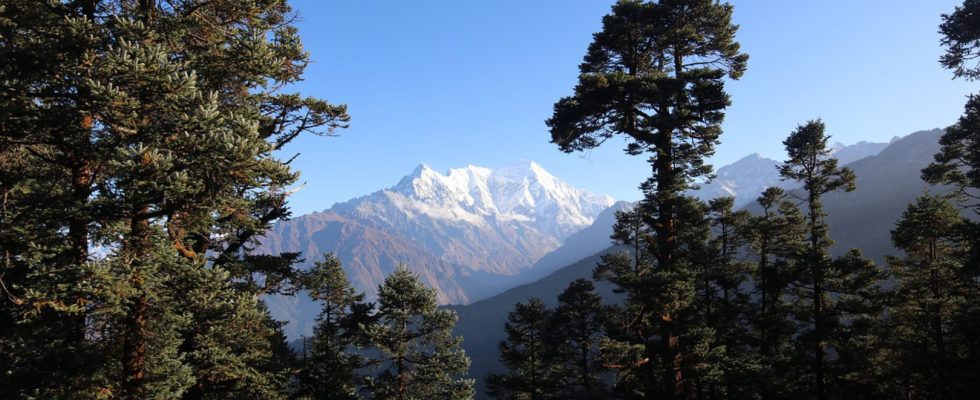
x=453 y=83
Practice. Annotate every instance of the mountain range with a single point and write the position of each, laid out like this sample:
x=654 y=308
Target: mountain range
x=463 y=232
x=746 y=178
x=887 y=181
x=474 y=232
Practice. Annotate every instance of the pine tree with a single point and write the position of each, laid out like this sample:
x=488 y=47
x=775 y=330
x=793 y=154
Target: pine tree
x=776 y=238
x=723 y=302
x=527 y=354
x=958 y=161
x=655 y=74
x=837 y=300
x=809 y=163
x=150 y=128
x=932 y=295
x=417 y=355
x=961 y=38
x=331 y=371
x=572 y=341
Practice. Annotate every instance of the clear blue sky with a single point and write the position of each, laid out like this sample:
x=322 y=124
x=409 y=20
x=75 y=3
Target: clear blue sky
x=453 y=83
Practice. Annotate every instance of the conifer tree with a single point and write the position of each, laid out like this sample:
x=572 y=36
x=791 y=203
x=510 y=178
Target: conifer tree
x=836 y=299
x=810 y=164
x=417 y=355
x=932 y=293
x=331 y=370
x=527 y=354
x=775 y=238
x=961 y=38
x=723 y=302
x=958 y=161
x=655 y=75
x=572 y=341
x=151 y=128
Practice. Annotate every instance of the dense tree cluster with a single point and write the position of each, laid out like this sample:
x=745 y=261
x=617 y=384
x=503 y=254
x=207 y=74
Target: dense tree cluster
x=722 y=304
x=400 y=348
x=138 y=168
x=137 y=144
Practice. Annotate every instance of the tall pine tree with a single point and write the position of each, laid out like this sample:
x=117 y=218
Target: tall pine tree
x=150 y=127
x=776 y=238
x=932 y=295
x=837 y=300
x=574 y=332
x=528 y=355
x=655 y=75
x=331 y=370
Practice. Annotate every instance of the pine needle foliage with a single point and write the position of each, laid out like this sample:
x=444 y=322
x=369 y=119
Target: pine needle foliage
x=146 y=129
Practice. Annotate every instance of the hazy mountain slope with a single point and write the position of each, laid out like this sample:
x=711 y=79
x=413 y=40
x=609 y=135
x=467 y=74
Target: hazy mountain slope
x=482 y=323
x=848 y=154
x=746 y=178
x=887 y=183
x=584 y=243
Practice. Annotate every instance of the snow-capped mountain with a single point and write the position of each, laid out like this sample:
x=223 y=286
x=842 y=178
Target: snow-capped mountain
x=522 y=192
x=744 y=180
x=748 y=177
x=459 y=231
x=489 y=220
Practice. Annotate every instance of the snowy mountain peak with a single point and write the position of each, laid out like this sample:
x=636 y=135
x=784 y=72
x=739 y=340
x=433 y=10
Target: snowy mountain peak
x=746 y=178
x=522 y=191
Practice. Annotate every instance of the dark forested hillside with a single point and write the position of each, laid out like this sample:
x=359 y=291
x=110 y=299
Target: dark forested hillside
x=886 y=184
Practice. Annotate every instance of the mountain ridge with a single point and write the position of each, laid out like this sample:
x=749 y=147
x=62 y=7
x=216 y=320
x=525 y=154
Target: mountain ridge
x=887 y=182
x=461 y=231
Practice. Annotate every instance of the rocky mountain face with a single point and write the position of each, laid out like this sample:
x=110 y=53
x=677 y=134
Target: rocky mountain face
x=463 y=232
x=744 y=180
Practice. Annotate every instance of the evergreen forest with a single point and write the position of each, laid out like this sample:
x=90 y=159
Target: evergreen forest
x=140 y=165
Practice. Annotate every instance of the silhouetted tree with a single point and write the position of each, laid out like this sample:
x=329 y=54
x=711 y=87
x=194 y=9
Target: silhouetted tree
x=932 y=294
x=776 y=239
x=573 y=334
x=532 y=373
x=836 y=299
x=655 y=74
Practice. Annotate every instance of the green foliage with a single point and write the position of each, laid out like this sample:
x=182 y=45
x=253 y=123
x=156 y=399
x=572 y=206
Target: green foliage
x=723 y=302
x=554 y=353
x=332 y=365
x=417 y=355
x=147 y=128
x=574 y=332
x=527 y=354
x=655 y=74
x=959 y=158
x=836 y=301
x=958 y=161
x=775 y=239
x=961 y=38
x=933 y=295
